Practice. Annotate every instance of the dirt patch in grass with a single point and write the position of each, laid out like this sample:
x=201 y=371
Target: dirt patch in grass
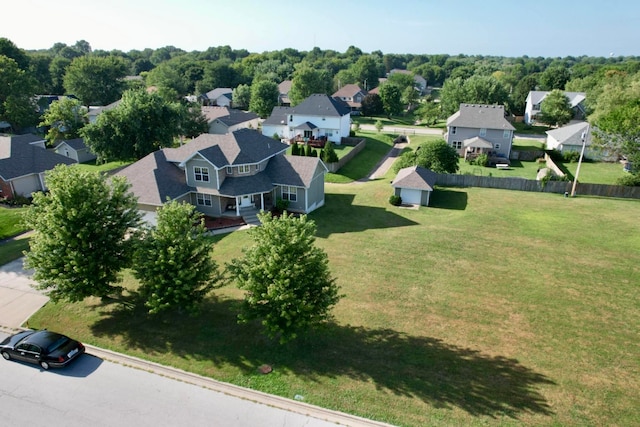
x=217 y=223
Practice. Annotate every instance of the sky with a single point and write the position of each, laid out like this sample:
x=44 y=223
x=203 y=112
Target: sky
x=547 y=28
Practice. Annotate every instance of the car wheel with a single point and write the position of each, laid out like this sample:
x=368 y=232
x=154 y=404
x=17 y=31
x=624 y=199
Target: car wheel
x=6 y=355
x=44 y=365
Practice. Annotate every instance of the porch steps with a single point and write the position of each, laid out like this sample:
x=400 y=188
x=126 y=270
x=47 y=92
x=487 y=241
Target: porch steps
x=250 y=216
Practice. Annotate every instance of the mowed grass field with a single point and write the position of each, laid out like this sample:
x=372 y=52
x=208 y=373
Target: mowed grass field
x=490 y=307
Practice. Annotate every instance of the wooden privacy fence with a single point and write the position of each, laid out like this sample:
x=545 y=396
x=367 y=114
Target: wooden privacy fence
x=359 y=144
x=521 y=184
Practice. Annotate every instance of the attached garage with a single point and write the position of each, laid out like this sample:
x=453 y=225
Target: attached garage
x=414 y=185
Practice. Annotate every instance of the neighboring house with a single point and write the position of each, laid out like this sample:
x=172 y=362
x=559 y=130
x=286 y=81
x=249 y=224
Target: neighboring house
x=283 y=98
x=420 y=82
x=228 y=174
x=353 y=95
x=414 y=185
x=570 y=138
x=224 y=119
x=316 y=117
x=75 y=149
x=94 y=112
x=535 y=98
x=220 y=97
x=24 y=160
x=480 y=129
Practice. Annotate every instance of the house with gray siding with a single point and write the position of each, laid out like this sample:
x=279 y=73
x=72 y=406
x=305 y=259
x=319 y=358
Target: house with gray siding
x=229 y=175
x=534 y=100
x=24 y=161
x=75 y=149
x=224 y=119
x=478 y=128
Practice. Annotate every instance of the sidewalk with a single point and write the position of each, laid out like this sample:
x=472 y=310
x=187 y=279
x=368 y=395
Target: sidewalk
x=18 y=300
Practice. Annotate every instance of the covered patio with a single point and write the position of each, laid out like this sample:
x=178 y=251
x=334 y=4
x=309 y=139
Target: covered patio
x=475 y=146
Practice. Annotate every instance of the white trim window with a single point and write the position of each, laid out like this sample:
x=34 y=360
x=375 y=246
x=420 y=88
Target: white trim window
x=483 y=132
x=506 y=134
x=201 y=174
x=229 y=170
x=244 y=169
x=289 y=193
x=457 y=145
x=203 y=199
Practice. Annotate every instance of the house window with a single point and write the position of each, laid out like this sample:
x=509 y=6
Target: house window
x=453 y=130
x=457 y=145
x=289 y=193
x=290 y=118
x=229 y=170
x=203 y=199
x=496 y=146
x=506 y=134
x=201 y=174
x=483 y=132
x=244 y=169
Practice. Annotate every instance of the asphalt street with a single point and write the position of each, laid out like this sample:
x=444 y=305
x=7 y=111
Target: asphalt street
x=97 y=392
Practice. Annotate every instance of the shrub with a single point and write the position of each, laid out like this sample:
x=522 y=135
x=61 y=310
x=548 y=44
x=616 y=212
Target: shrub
x=395 y=200
x=555 y=155
x=379 y=125
x=281 y=204
x=276 y=136
x=571 y=156
x=482 y=160
x=629 y=180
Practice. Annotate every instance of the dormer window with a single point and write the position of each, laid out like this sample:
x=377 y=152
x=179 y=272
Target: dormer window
x=229 y=170
x=201 y=174
x=243 y=169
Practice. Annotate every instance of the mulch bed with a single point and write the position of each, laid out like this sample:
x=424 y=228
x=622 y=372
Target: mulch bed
x=222 y=222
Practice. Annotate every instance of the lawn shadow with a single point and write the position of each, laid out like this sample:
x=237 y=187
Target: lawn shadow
x=340 y=215
x=440 y=374
x=443 y=198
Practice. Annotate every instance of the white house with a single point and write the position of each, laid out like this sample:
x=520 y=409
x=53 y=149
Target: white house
x=535 y=98
x=317 y=116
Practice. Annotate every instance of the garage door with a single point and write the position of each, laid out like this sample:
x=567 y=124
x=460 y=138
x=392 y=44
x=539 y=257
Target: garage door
x=410 y=196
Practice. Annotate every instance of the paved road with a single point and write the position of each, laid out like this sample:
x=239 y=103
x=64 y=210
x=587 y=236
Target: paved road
x=404 y=131
x=97 y=392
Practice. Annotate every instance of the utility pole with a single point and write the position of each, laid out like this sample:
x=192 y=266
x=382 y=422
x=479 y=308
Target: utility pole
x=584 y=143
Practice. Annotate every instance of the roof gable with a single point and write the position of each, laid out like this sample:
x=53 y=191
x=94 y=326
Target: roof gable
x=297 y=171
x=348 y=91
x=415 y=177
x=571 y=134
x=19 y=157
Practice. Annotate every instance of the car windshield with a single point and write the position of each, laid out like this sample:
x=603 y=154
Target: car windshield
x=56 y=344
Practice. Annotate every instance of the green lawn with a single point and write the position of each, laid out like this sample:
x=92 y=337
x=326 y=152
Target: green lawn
x=11 y=222
x=596 y=172
x=490 y=307
x=104 y=167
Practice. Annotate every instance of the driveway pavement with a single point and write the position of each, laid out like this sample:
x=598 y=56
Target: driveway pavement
x=18 y=300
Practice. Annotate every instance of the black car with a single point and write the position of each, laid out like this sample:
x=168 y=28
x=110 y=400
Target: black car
x=47 y=349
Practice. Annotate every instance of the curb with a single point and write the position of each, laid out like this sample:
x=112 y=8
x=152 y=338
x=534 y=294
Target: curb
x=339 y=418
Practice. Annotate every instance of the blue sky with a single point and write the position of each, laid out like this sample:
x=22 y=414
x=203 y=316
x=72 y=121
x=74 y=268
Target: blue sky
x=548 y=28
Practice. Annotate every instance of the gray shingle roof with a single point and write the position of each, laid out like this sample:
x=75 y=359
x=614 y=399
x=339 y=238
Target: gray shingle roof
x=153 y=178
x=228 y=116
x=244 y=146
x=321 y=105
x=348 y=91
x=77 y=143
x=296 y=171
x=480 y=116
x=18 y=157
x=571 y=134
x=416 y=178
x=218 y=92
x=278 y=116
x=575 y=98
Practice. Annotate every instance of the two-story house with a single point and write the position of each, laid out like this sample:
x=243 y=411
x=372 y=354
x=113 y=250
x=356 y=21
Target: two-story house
x=227 y=174
x=220 y=97
x=477 y=128
x=535 y=98
x=317 y=116
x=353 y=95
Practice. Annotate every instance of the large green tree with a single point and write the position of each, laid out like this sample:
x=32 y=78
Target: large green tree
x=173 y=260
x=555 y=109
x=64 y=118
x=241 y=96
x=437 y=155
x=16 y=93
x=618 y=132
x=307 y=81
x=264 y=96
x=80 y=226
x=286 y=277
x=372 y=105
x=96 y=80
x=391 y=97
x=142 y=123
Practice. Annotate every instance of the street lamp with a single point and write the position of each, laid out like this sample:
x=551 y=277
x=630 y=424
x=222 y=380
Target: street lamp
x=584 y=143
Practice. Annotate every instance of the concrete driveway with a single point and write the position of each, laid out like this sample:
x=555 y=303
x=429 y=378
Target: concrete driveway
x=18 y=300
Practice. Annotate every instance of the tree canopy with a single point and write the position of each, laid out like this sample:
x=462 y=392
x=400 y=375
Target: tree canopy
x=173 y=260
x=555 y=109
x=96 y=80
x=286 y=277
x=79 y=243
x=437 y=155
x=264 y=96
x=142 y=123
x=308 y=81
x=64 y=118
